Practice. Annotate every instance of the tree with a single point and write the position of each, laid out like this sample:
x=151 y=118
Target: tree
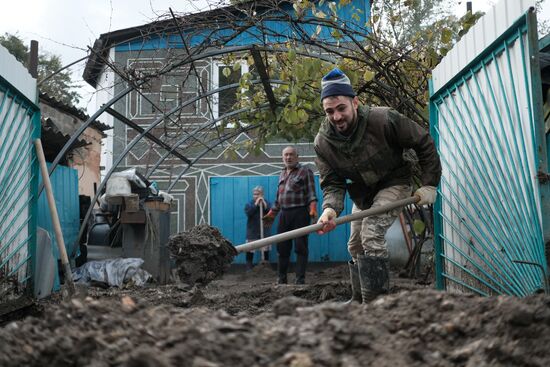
x=389 y=64
x=543 y=25
x=59 y=86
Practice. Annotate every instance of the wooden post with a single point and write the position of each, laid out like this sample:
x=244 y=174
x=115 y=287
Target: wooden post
x=55 y=218
x=33 y=59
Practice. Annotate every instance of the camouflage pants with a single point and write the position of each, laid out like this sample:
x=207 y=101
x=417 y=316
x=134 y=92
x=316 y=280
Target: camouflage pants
x=367 y=235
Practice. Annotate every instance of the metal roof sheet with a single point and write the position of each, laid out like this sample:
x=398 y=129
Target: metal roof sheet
x=17 y=75
x=478 y=38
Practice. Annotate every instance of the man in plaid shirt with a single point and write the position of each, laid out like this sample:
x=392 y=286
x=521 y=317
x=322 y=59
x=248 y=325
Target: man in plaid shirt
x=297 y=202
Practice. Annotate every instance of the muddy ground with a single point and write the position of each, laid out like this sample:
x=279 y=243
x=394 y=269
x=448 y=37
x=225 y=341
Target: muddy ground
x=244 y=319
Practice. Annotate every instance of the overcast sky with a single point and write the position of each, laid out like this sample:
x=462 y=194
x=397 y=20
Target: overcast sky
x=68 y=27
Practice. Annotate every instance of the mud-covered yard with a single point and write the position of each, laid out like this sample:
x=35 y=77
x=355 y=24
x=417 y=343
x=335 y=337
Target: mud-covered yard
x=244 y=319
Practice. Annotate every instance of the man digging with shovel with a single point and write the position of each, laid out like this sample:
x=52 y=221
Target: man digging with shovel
x=360 y=150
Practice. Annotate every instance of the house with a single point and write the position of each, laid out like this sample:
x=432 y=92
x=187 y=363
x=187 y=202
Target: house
x=177 y=62
x=76 y=179
x=59 y=121
x=119 y=57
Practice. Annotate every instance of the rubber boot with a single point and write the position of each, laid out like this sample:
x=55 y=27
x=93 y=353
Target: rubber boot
x=374 y=276
x=249 y=258
x=265 y=258
x=355 y=283
x=301 y=264
x=282 y=269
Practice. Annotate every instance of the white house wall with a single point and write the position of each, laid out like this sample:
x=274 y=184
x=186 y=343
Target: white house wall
x=105 y=92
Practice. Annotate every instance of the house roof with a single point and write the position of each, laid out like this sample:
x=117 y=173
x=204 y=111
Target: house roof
x=211 y=18
x=54 y=140
x=72 y=110
x=102 y=45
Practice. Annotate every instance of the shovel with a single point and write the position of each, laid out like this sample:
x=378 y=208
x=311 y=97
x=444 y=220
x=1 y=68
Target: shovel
x=299 y=232
x=261 y=221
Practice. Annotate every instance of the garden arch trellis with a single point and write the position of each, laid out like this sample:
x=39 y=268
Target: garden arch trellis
x=165 y=115
x=351 y=45
x=300 y=32
x=236 y=25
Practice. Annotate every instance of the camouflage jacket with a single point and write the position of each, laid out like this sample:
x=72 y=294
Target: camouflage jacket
x=371 y=158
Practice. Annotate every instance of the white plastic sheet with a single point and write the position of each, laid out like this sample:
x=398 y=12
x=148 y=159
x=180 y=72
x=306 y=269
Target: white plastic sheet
x=112 y=272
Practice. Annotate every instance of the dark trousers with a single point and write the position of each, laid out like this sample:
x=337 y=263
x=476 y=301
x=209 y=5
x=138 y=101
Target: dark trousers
x=290 y=219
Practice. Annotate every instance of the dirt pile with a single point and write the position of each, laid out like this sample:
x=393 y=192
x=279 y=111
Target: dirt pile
x=418 y=328
x=237 y=293
x=201 y=254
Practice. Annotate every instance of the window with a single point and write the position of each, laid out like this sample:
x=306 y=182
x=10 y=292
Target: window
x=224 y=101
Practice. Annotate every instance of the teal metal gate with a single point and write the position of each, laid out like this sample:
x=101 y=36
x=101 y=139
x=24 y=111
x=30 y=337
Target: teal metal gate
x=486 y=117
x=19 y=126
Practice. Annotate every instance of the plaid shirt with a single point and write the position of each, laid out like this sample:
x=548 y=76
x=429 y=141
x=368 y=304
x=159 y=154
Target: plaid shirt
x=296 y=188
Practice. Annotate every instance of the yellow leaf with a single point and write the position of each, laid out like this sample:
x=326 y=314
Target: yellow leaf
x=318 y=30
x=418 y=226
x=320 y=14
x=292 y=98
x=303 y=116
x=291 y=55
x=368 y=75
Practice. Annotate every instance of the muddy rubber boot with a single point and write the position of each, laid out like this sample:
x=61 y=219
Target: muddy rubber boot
x=301 y=264
x=355 y=283
x=249 y=258
x=282 y=269
x=374 y=276
x=266 y=256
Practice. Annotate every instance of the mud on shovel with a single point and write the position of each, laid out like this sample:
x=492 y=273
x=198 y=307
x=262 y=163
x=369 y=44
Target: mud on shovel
x=254 y=245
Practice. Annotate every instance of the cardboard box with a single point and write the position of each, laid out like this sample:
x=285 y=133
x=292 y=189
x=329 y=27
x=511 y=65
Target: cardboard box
x=157 y=205
x=133 y=217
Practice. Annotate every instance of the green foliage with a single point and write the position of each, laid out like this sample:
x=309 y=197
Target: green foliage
x=15 y=46
x=423 y=27
x=60 y=86
x=419 y=227
x=296 y=115
x=390 y=66
x=543 y=25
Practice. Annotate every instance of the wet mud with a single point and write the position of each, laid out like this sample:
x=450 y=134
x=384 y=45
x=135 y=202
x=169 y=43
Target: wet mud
x=201 y=254
x=243 y=318
x=268 y=325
